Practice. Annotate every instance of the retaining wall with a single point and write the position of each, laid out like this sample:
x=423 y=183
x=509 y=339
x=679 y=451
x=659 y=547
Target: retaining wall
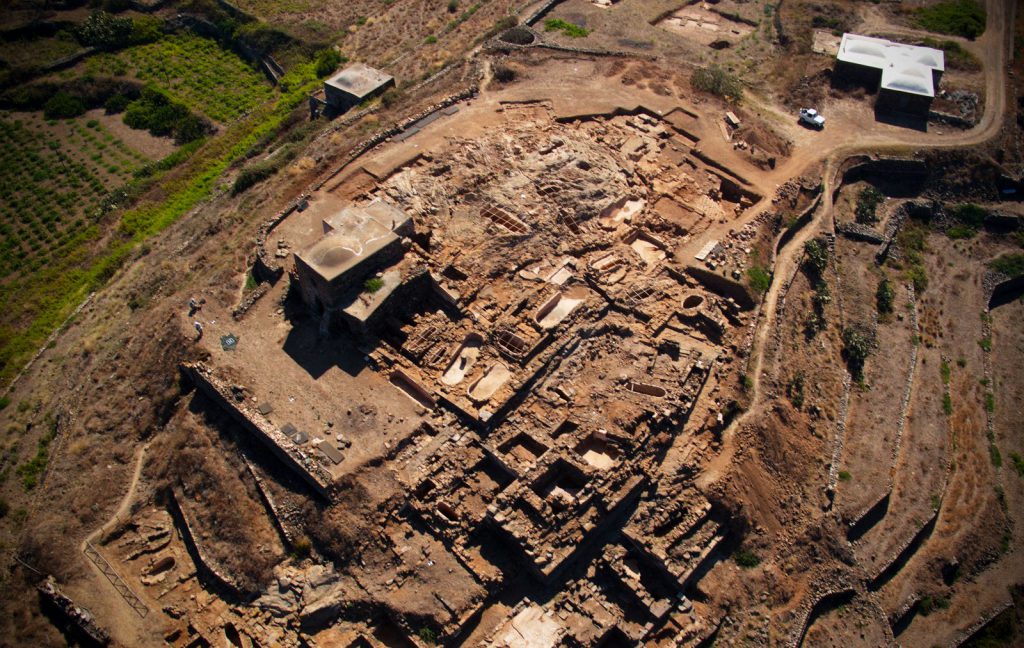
x=253 y=422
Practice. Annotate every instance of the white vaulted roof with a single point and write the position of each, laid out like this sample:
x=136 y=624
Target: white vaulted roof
x=905 y=68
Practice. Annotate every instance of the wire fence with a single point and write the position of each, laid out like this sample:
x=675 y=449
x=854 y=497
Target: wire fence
x=129 y=596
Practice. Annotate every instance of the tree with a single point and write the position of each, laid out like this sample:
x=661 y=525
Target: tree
x=63 y=106
x=104 y=30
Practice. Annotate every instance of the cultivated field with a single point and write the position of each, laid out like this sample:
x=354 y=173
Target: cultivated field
x=191 y=69
x=54 y=177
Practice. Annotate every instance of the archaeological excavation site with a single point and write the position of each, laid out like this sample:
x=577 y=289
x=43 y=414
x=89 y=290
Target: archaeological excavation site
x=582 y=323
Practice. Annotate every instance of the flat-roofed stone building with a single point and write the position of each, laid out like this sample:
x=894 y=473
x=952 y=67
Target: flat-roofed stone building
x=354 y=85
x=907 y=75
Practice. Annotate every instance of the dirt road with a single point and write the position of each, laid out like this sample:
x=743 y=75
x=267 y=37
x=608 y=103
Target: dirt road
x=995 y=47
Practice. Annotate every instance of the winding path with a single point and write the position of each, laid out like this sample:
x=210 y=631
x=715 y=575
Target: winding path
x=995 y=47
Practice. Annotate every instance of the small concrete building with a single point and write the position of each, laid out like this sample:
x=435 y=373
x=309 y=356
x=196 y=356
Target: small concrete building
x=354 y=85
x=907 y=75
x=357 y=243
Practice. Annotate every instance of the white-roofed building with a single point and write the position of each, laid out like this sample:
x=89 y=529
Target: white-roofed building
x=907 y=75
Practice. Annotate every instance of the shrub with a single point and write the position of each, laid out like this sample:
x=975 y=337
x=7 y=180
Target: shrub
x=569 y=29
x=868 y=201
x=302 y=546
x=717 y=81
x=956 y=17
x=504 y=74
x=990 y=402
x=430 y=40
x=995 y=455
x=795 y=390
x=856 y=348
x=884 y=296
x=1018 y=463
x=327 y=61
x=427 y=635
x=845 y=476
x=4 y=402
x=155 y=112
x=252 y=175
x=1010 y=264
x=957 y=58
x=453 y=6
x=373 y=284
x=63 y=106
x=758 y=279
x=985 y=344
x=947 y=404
x=815 y=256
x=946 y=372
x=146 y=29
x=105 y=31
x=747 y=559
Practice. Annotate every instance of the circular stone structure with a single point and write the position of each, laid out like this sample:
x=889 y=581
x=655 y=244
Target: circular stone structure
x=518 y=36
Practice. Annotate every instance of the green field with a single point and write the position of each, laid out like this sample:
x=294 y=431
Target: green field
x=52 y=176
x=193 y=70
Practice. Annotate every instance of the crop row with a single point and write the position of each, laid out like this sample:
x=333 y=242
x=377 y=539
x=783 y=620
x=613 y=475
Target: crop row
x=51 y=177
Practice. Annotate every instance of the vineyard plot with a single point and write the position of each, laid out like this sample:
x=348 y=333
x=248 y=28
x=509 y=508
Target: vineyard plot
x=193 y=70
x=53 y=177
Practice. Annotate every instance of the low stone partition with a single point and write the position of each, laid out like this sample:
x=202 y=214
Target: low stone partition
x=256 y=424
x=722 y=285
x=823 y=593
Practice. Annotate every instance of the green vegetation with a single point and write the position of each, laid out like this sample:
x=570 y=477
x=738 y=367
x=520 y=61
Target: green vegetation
x=52 y=183
x=995 y=455
x=856 y=348
x=39 y=304
x=327 y=61
x=31 y=470
x=815 y=257
x=63 y=106
x=191 y=70
x=466 y=15
x=990 y=402
x=746 y=559
x=746 y=382
x=373 y=284
x=157 y=113
x=427 y=635
x=845 y=476
x=911 y=240
x=955 y=17
x=945 y=371
x=260 y=171
x=4 y=402
x=885 y=296
x=985 y=344
x=929 y=604
x=957 y=57
x=947 y=404
x=969 y=219
x=104 y=30
x=567 y=28
x=758 y=279
x=868 y=201
x=1017 y=462
x=718 y=82
x=302 y=547
x=1010 y=264
x=795 y=390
